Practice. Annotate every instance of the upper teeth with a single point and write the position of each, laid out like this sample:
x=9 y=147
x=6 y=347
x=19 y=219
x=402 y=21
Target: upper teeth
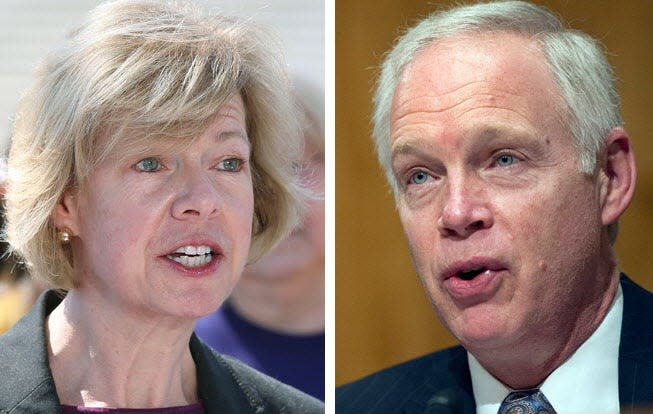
x=193 y=250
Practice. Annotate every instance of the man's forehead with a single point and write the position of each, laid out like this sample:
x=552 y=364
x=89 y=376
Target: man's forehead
x=449 y=64
x=464 y=73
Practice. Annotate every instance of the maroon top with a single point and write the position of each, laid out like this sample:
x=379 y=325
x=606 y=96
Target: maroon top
x=186 y=409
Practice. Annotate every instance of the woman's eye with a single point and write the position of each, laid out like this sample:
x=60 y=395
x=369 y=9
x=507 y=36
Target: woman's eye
x=505 y=160
x=149 y=164
x=231 y=164
x=419 y=177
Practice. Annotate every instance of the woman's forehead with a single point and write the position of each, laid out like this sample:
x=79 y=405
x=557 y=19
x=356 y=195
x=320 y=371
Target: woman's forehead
x=121 y=141
x=234 y=107
x=229 y=120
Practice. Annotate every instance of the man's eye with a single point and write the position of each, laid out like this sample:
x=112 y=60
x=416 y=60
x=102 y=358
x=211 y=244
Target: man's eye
x=231 y=164
x=505 y=160
x=149 y=164
x=419 y=177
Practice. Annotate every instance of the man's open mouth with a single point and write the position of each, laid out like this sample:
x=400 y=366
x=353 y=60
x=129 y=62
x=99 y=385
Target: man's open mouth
x=470 y=274
x=468 y=270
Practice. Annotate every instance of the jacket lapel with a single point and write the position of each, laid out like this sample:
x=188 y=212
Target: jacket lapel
x=636 y=347
x=445 y=386
x=27 y=385
x=218 y=386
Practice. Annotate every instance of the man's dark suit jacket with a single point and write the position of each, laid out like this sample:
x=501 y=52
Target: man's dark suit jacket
x=224 y=384
x=441 y=383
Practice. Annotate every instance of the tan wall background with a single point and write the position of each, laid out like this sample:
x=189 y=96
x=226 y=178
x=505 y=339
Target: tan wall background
x=382 y=314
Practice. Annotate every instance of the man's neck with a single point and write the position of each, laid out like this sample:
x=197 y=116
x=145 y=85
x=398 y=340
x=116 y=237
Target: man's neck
x=528 y=363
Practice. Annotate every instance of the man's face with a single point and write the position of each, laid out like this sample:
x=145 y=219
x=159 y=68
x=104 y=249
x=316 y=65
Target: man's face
x=504 y=230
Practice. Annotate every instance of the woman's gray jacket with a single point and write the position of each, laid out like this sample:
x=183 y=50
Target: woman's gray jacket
x=224 y=384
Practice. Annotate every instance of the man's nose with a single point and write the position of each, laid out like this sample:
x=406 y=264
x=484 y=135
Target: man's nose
x=465 y=209
x=196 y=196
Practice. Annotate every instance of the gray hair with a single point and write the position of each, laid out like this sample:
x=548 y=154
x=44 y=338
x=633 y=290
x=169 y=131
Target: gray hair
x=578 y=63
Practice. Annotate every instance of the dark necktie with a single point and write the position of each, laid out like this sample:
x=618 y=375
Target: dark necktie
x=526 y=402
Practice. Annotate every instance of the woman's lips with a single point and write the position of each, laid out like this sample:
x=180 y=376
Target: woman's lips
x=194 y=257
x=204 y=268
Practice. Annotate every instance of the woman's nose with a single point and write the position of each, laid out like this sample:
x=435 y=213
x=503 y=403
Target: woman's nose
x=197 y=197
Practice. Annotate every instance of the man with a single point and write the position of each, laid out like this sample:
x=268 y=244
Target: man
x=500 y=133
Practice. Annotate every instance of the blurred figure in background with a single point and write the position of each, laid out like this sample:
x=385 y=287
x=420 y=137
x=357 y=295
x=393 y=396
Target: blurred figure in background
x=274 y=319
x=17 y=291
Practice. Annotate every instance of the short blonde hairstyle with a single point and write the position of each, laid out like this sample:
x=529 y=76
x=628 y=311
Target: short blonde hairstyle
x=161 y=69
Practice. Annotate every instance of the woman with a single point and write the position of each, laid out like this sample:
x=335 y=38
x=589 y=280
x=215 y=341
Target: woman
x=151 y=150
x=274 y=319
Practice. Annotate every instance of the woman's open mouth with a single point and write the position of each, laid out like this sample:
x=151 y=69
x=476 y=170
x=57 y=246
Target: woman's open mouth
x=201 y=259
x=192 y=256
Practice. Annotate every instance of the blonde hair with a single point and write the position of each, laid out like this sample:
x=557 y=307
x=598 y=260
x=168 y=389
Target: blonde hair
x=311 y=113
x=161 y=69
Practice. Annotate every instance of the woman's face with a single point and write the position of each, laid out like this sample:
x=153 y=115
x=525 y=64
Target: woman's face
x=167 y=230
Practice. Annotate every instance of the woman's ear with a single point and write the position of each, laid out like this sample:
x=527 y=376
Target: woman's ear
x=65 y=213
x=620 y=174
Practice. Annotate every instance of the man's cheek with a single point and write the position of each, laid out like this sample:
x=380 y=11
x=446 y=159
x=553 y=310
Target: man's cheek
x=421 y=241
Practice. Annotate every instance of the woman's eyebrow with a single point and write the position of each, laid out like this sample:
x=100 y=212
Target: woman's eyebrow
x=233 y=133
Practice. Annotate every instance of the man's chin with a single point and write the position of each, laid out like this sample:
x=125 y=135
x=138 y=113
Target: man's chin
x=480 y=327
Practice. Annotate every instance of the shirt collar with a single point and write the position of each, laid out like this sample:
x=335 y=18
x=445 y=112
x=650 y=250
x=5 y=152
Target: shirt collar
x=587 y=382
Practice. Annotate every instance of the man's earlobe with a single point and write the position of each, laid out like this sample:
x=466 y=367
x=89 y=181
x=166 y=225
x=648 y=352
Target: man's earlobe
x=620 y=175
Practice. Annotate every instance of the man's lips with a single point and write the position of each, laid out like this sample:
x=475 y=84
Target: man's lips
x=469 y=269
x=473 y=281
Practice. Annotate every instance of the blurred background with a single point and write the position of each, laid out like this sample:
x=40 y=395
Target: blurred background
x=30 y=28
x=382 y=314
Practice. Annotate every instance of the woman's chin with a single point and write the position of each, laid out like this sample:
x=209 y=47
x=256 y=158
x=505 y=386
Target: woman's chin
x=192 y=305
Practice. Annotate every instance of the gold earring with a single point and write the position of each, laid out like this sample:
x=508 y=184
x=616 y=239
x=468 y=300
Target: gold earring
x=64 y=235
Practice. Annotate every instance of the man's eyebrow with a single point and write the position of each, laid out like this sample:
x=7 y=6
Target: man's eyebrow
x=411 y=146
x=482 y=136
x=511 y=136
x=492 y=133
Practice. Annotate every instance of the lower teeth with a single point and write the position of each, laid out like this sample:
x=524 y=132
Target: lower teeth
x=192 y=261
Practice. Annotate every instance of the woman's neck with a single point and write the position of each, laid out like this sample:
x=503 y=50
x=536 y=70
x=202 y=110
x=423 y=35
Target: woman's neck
x=100 y=356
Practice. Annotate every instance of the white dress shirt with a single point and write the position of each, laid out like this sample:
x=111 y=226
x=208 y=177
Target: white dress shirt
x=587 y=382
